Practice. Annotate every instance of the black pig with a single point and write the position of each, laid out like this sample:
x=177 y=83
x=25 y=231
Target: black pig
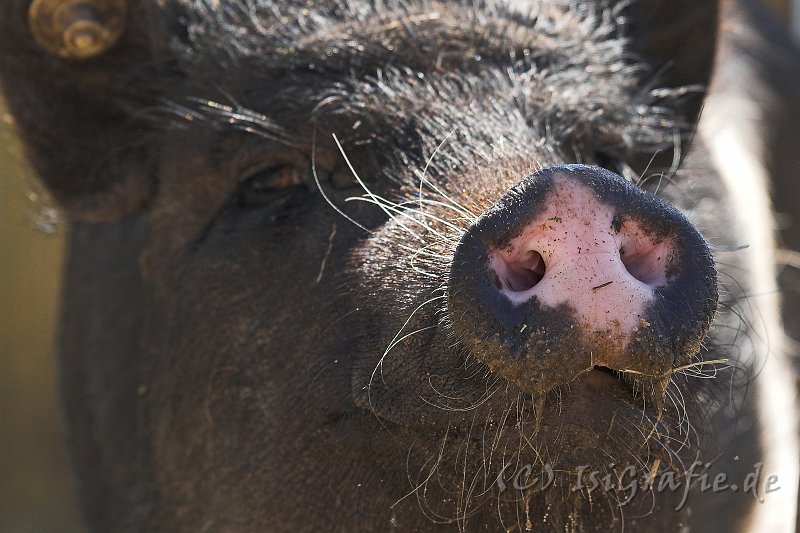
x=417 y=265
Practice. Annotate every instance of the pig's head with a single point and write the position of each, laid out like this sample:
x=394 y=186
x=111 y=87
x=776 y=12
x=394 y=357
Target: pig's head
x=341 y=265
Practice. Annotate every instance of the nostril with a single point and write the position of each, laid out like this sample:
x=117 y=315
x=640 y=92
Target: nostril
x=520 y=273
x=645 y=257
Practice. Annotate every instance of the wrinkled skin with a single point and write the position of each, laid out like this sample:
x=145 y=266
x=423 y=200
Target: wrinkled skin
x=244 y=349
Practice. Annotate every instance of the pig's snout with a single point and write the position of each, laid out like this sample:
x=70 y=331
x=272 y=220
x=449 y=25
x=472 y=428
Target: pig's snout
x=574 y=268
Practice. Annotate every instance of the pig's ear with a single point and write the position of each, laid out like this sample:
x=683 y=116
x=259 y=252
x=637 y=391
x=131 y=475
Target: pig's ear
x=68 y=70
x=676 y=37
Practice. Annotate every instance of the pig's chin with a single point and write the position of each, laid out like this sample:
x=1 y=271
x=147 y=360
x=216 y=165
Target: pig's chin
x=597 y=420
x=594 y=423
x=595 y=396
x=512 y=453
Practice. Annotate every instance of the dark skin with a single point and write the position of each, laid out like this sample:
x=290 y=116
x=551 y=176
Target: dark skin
x=225 y=329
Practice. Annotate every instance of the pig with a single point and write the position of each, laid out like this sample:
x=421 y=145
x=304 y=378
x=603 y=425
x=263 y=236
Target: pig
x=381 y=265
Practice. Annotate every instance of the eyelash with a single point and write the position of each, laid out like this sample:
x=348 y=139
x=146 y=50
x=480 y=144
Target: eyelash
x=272 y=183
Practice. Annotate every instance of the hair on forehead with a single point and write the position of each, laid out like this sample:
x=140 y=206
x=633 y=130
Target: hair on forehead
x=539 y=71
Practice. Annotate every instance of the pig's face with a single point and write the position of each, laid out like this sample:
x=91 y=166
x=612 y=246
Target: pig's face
x=376 y=287
x=357 y=319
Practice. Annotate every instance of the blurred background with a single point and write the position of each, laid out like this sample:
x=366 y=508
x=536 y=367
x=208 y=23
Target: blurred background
x=35 y=486
x=35 y=493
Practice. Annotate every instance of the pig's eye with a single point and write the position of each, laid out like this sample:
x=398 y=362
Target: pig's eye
x=268 y=185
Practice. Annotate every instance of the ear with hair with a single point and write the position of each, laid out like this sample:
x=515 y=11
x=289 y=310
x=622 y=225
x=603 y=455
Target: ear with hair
x=70 y=71
x=675 y=41
x=676 y=37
